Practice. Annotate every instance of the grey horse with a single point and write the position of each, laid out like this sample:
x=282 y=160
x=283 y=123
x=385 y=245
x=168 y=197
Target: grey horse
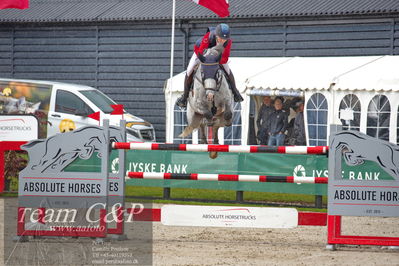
x=211 y=100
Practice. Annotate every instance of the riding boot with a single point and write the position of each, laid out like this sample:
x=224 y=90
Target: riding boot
x=188 y=81
x=234 y=90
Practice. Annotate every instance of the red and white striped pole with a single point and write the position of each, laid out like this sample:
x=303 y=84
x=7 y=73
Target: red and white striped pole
x=221 y=148
x=224 y=177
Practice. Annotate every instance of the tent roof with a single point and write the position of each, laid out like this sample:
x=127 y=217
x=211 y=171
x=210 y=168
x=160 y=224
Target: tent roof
x=321 y=73
x=380 y=74
x=298 y=74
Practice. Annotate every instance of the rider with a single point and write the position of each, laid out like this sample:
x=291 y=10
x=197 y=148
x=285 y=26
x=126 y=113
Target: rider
x=213 y=37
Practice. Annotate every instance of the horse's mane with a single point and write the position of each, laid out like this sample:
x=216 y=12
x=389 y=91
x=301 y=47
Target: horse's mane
x=216 y=50
x=219 y=48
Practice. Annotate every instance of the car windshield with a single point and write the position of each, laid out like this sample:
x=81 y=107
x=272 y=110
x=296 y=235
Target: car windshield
x=99 y=99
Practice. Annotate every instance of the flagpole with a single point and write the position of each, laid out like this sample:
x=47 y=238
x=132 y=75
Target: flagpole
x=172 y=48
x=172 y=45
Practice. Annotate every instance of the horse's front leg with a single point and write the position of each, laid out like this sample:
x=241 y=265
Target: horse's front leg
x=214 y=154
x=228 y=115
x=215 y=134
x=208 y=115
x=202 y=134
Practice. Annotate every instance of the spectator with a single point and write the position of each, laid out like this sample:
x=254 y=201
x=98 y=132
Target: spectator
x=299 y=125
x=278 y=122
x=263 y=116
x=290 y=138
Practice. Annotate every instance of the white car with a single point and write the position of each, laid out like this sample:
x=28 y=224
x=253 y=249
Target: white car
x=62 y=107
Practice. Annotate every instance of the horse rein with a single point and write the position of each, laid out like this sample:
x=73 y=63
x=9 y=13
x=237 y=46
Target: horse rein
x=210 y=64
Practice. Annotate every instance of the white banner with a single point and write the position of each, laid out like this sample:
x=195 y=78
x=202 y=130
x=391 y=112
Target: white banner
x=231 y=216
x=18 y=127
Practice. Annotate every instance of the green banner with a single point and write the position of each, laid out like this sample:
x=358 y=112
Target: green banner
x=233 y=163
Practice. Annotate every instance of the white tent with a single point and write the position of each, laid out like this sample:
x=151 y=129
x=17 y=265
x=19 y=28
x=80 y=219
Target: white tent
x=333 y=77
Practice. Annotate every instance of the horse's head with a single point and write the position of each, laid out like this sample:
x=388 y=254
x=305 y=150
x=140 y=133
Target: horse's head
x=210 y=71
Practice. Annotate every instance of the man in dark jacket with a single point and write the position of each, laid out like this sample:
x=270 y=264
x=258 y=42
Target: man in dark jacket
x=263 y=119
x=278 y=123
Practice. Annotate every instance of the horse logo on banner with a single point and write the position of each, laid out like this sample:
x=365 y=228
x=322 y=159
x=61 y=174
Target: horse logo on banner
x=358 y=147
x=53 y=154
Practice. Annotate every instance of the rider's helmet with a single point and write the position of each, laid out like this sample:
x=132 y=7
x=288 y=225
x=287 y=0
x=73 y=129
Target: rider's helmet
x=223 y=31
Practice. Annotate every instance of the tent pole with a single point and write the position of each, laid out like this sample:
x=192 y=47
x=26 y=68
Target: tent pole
x=172 y=48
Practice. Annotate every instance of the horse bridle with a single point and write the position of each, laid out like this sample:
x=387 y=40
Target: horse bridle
x=218 y=78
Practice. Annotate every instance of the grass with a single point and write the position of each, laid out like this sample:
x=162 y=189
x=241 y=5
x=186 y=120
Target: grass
x=258 y=198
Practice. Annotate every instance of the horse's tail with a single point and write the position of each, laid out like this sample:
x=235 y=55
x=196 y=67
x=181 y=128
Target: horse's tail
x=187 y=131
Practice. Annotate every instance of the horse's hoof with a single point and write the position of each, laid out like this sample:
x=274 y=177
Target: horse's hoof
x=214 y=110
x=228 y=115
x=213 y=155
x=208 y=116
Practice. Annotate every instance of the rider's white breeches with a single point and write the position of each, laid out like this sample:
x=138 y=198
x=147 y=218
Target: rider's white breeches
x=194 y=61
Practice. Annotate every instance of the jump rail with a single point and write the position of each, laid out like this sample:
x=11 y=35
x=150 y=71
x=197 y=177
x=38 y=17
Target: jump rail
x=224 y=177
x=220 y=148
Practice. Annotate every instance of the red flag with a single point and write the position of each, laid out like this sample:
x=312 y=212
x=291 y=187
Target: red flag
x=118 y=109
x=219 y=7
x=95 y=116
x=20 y=4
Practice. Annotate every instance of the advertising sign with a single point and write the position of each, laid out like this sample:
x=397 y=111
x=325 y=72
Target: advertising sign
x=362 y=197
x=18 y=128
x=25 y=98
x=222 y=216
x=44 y=183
